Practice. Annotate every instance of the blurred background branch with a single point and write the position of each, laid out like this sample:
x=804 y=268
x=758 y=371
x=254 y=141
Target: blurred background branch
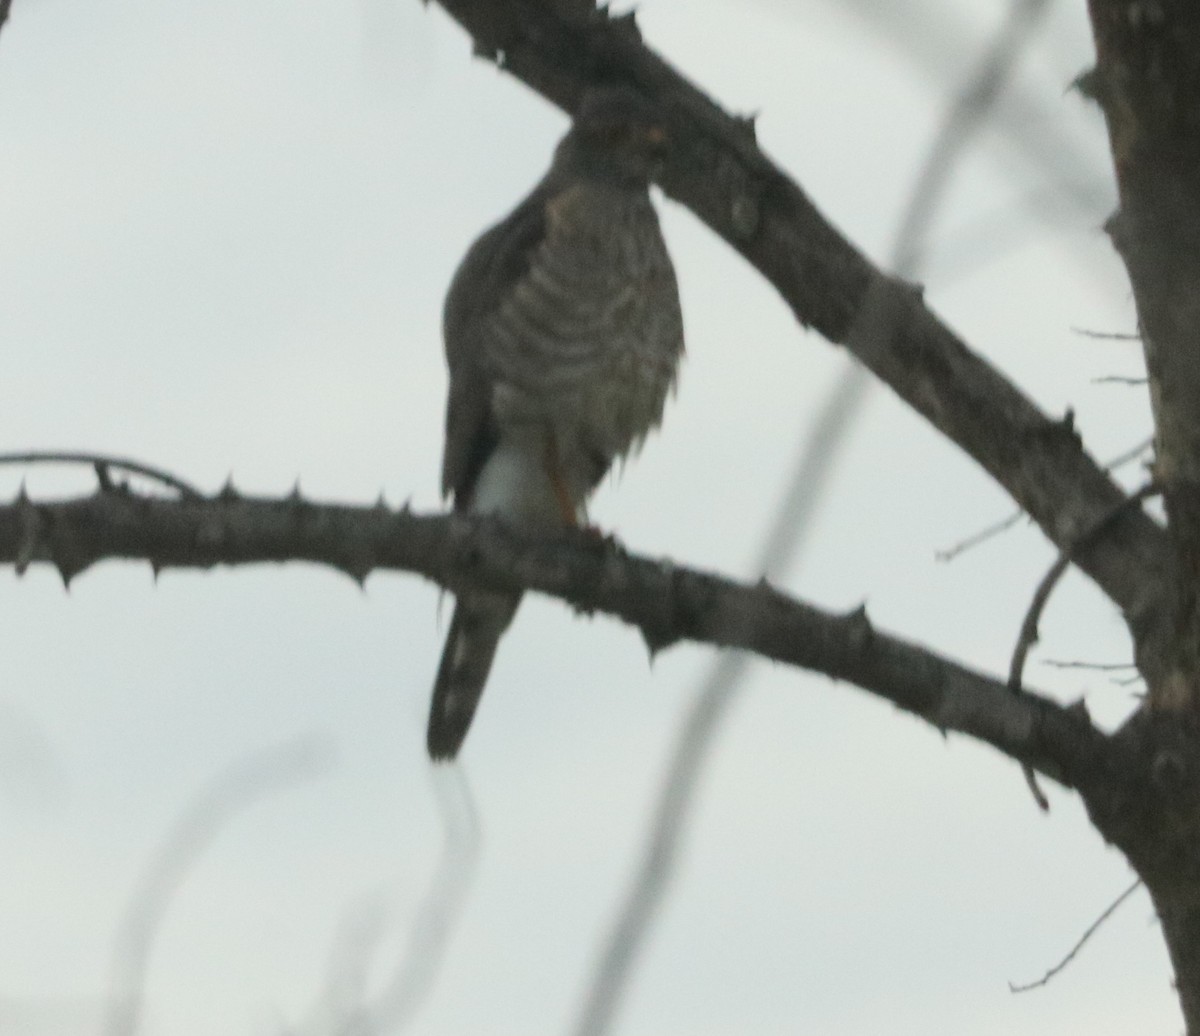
x=252 y=779
x=781 y=551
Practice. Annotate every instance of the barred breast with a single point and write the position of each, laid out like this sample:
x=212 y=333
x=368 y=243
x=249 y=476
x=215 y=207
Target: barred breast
x=587 y=346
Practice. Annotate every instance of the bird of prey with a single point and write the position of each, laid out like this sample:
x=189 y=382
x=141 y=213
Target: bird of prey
x=563 y=336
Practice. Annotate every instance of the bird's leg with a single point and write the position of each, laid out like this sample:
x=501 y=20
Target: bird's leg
x=558 y=484
x=569 y=510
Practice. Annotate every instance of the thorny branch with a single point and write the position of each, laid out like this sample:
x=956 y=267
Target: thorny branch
x=561 y=47
x=666 y=602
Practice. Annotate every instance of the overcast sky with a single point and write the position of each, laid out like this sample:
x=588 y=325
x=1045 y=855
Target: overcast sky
x=226 y=229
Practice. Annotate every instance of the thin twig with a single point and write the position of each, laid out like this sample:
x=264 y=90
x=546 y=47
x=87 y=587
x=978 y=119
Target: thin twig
x=101 y=463
x=974 y=540
x=1119 y=379
x=1029 y=627
x=1103 y=667
x=1116 y=336
x=1132 y=454
x=1091 y=930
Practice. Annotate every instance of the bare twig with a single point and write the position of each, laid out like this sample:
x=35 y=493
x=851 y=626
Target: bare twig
x=1103 y=667
x=102 y=463
x=193 y=832
x=975 y=539
x=1091 y=930
x=1028 y=635
x=1029 y=627
x=1130 y=455
x=1111 y=336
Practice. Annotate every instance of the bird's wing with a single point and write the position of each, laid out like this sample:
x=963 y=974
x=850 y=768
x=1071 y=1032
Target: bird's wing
x=489 y=272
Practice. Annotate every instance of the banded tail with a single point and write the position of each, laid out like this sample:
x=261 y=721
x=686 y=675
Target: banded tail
x=480 y=619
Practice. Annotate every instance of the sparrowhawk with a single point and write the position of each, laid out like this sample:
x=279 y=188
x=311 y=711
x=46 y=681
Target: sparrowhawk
x=563 y=335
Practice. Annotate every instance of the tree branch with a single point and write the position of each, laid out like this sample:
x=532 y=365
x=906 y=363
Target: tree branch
x=1147 y=80
x=561 y=47
x=666 y=602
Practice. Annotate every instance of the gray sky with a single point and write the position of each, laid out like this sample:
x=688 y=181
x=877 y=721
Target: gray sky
x=226 y=232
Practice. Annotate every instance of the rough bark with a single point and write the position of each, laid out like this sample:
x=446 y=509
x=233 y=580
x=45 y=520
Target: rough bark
x=666 y=602
x=1147 y=80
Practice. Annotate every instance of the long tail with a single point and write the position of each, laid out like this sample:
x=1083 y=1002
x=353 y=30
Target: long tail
x=479 y=622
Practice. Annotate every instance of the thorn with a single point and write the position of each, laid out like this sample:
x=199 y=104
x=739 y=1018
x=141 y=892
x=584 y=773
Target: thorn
x=227 y=491
x=1089 y=84
x=357 y=574
x=407 y=507
x=652 y=649
x=294 y=496
x=155 y=569
x=486 y=51
x=627 y=23
x=746 y=125
x=65 y=574
x=656 y=641
x=1068 y=421
x=381 y=503
x=1079 y=709
x=859 y=626
x=28 y=523
x=1116 y=228
x=103 y=477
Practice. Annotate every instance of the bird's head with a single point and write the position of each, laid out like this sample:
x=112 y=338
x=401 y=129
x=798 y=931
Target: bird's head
x=617 y=135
